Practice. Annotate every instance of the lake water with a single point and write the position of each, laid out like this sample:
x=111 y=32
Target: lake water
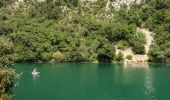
x=70 y=81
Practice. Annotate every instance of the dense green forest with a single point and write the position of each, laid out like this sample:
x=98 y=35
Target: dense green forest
x=73 y=31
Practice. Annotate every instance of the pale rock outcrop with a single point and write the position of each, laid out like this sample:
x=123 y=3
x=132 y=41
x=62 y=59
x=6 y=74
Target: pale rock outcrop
x=136 y=57
x=118 y=3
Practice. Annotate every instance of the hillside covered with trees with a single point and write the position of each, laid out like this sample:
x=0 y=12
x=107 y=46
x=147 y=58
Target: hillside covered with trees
x=74 y=31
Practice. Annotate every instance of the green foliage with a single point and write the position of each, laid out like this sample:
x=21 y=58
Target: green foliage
x=5 y=29
x=122 y=45
x=5 y=51
x=129 y=57
x=7 y=80
x=75 y=56
x=160 y=53
x=132 y=16
x=72 y=2
x=138 y=41
x=157 y=14
x=105 y=53
x=120 y=57
x=5 y=2
x=44 y=28
x=7 y=76
x=81 y=33
x=123 y=31
x=58 y=57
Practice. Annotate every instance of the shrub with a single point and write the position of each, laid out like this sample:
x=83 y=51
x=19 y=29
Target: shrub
x=58 y=56
x=120 y=57
x=138 y=41
x=8 y=78
x=129 y=57
x=105 y=53
x=122 y=45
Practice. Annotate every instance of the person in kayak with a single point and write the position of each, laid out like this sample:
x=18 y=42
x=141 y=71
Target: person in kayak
x=35 y=70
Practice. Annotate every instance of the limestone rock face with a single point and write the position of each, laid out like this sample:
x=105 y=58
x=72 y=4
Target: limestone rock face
x=118 y=3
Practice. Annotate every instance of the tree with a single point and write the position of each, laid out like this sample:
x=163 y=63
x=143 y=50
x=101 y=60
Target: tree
x=138 y=41
x=120 y=57
x=5 y=2
x=58 y=57
x=7 y=76
x=129 y=57
x=106 y=53
x=5 y=51
x=123 y=31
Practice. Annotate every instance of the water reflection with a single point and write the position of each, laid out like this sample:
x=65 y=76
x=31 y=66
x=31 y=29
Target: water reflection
x=134 y=65
x=35 y=77
x=150 y=89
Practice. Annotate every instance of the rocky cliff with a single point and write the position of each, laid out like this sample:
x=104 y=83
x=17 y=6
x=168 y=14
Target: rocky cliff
x=117 y=3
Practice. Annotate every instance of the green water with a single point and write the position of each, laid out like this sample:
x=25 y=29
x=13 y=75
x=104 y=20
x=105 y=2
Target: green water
x=93 y=82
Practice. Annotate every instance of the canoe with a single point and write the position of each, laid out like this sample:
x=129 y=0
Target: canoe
x=35 y=73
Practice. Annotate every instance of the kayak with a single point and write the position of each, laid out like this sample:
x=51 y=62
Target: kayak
x=35 y=73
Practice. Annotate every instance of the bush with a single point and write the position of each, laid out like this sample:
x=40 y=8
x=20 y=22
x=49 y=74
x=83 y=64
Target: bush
x=8 y=78
x=103 y=57
x=123 y=31
x=122 y=45
x=139 y=48
x=160 y=54
x=129 y=57
x=138 y=41
x=120 y=57
x=46 y=56
x=58 y=57
x=106 y=53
